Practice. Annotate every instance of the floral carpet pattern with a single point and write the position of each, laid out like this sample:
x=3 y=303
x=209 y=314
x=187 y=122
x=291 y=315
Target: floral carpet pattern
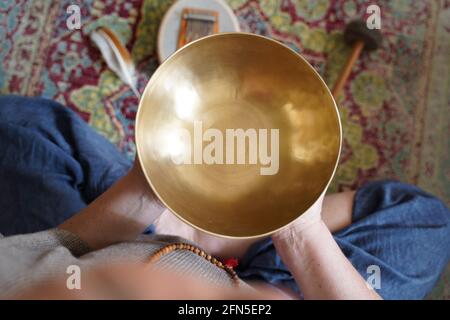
x=395 y=107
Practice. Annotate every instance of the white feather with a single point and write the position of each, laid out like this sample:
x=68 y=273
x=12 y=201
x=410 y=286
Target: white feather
x=114 y=59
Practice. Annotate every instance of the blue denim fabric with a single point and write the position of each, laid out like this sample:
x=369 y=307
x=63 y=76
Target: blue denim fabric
x=53 y=164
x=397 y=227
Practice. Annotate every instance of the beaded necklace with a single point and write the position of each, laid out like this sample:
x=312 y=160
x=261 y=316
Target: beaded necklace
x=184 y=246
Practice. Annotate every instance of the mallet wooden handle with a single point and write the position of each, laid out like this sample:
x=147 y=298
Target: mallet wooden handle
x=342 y=79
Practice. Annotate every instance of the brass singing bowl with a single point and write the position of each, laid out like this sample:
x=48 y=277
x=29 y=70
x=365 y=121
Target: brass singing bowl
x=237 y=81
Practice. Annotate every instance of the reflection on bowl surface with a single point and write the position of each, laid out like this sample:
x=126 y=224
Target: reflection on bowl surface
x=237 y=134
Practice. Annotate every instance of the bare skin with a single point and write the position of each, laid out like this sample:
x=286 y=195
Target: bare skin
x=306 y=246
x=323 y=272
x=224 y=248
x=141 y=282
x=122 y=213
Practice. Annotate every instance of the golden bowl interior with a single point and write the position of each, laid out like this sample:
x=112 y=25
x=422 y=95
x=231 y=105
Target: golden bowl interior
x=237 y=81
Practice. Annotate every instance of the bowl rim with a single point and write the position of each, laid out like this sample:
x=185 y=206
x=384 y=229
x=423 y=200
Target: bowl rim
x=154 y=78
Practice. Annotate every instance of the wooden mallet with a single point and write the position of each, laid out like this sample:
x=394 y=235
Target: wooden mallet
x=361 y=38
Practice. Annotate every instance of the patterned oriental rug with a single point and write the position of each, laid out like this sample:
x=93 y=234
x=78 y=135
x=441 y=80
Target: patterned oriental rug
x=395 y=108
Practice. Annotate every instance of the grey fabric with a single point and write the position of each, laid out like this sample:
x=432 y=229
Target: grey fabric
x=28 y=259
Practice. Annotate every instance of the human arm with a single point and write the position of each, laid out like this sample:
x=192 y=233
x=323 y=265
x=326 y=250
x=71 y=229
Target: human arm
x=121 y=213
x=319 y=267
